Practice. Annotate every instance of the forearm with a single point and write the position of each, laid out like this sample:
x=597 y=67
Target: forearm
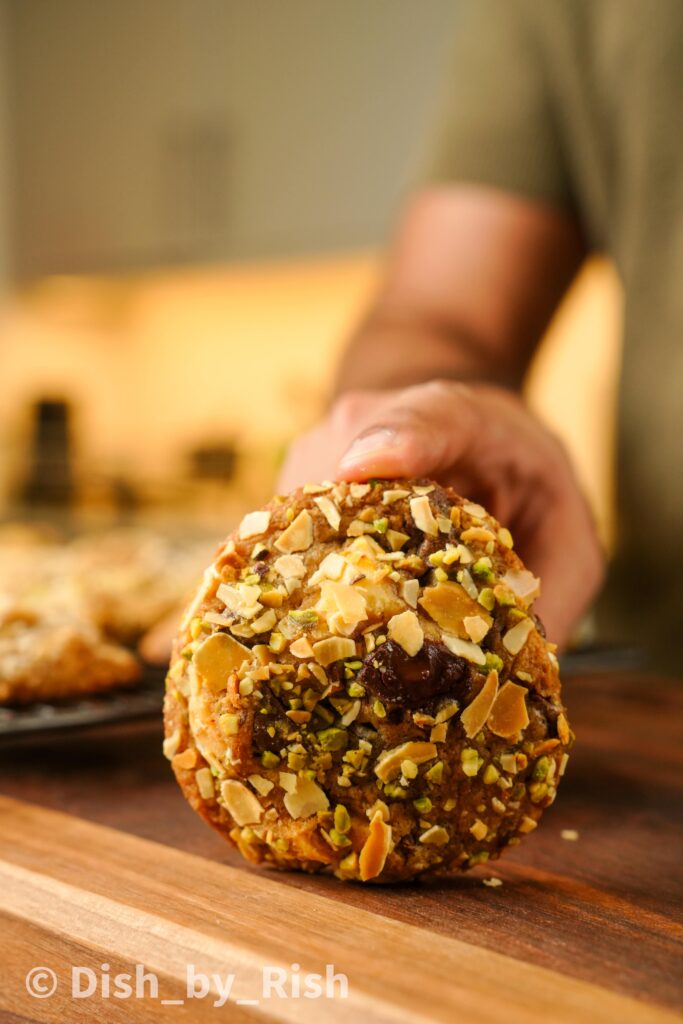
x=393 y=351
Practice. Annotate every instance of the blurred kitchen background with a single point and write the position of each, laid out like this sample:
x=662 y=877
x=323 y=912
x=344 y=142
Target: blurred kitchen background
x=194 y=198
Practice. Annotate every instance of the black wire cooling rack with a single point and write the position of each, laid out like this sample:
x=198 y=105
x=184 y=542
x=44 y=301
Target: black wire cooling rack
x=123 y=705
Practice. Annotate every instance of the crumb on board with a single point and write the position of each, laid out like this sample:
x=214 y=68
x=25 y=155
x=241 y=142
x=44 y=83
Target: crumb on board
x=492 y=883
x=570 y=834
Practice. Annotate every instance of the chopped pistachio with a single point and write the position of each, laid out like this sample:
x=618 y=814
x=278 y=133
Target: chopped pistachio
x=342 y=819
x=470 y=761
x=296 y=760
x=423 y=804
x=379 y=709
x=333 y=739
x=487 y=599
x=538 y=791
x=435 y=773
x=482 y=569
x=409 y=769
x=304 y=616
x=491 y=774
x=355 y=689
x=269 y=759
x=493 y=662
x=338 y=838
x=541 y=769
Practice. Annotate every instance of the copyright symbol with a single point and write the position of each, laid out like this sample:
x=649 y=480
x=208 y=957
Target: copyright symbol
x=41 y=982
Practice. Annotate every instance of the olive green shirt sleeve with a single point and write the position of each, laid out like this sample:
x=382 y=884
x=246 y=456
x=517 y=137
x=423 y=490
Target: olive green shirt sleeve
x=499 y=127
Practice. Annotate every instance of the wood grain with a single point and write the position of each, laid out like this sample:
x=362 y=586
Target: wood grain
x=92 y=886
x=592 y=927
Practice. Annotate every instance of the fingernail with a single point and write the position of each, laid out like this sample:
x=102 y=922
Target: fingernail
x=367 y=445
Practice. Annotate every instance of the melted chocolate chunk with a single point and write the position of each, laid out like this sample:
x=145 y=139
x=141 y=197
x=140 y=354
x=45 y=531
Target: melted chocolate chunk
x=269 y=713
x=390 y=674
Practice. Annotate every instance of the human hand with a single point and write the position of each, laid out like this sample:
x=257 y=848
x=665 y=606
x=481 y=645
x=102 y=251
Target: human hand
x=483 y=442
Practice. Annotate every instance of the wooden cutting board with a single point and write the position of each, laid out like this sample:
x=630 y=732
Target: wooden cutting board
x=584 y=930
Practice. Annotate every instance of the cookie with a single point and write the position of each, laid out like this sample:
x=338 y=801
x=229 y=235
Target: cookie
x=360 y=686
x=44 y=656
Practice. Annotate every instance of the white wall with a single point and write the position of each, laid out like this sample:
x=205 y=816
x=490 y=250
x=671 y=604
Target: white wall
x=4 y=151
x=318 y=110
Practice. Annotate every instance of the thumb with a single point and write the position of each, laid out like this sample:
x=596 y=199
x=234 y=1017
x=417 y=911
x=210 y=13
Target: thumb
x=423 y=434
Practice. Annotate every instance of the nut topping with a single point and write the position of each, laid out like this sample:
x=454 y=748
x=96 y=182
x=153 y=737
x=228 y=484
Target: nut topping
x=298 y=536
x=254 y=524
x=375 y=849
x=475 y=714
x=406 y=631
x=242 y=805
x=509 y=715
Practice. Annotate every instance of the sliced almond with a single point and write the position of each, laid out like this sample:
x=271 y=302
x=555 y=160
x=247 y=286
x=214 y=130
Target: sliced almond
x=389 y=763
x=423 y=517
x=524 y=584
x=472 y=509
x=334 y=648
x=406 y=631
x=396 y=539
x=509 y=715
x=240 y=598
x=390 y=496
x=301 y=648
x=241 y=803
x=515 y=638
x=205 y=785
x=331 y=567
x=343 y=605
x=476 y=627
x=477 y=533
x=254 y=524
x=359 y=490
x=264 y=622
x=186 y=760
x=465 y=649
x=410 y=590
x=330 y=511
x=375 y=849
x=290 y=566
x=352 y=714
x=435 y=836
x=171 y=744
x=217 y=657
x=262 y=785
x=563 y=729
x=317 y=488
x=449 y=605
x=476 y=713
x=298 y=536
x=306 y=798
x=439 y=732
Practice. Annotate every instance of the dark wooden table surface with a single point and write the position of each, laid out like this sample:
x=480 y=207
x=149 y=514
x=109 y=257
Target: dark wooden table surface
x=605 y=910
